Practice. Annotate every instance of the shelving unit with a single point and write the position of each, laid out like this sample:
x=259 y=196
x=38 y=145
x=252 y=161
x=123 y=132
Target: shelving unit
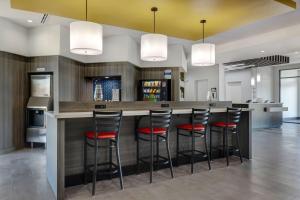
x=181 y=86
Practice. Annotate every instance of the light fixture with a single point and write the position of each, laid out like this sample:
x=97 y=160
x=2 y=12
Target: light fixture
x=203 y=54
x=29 y=21
x=107 y=77
x=262 y=51
x=258 y=78
x=154 y=47
x=86 y=37
x=252 y=81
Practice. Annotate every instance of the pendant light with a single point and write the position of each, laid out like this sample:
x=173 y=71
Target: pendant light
x=203 y=54
x=258 y=76
x=86 y=37
x=154 y=47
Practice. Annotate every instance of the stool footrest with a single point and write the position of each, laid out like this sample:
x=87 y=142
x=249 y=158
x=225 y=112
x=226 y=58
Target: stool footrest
x=91 y=166
x=102 y=146
x=144 y=159
x=187 y=153
x=154 y=138
x=196 y=134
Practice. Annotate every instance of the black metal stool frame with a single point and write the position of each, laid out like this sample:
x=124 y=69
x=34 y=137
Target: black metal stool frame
x=158 y=119
x=199 y=116
x=233 y=115
x=104 y=122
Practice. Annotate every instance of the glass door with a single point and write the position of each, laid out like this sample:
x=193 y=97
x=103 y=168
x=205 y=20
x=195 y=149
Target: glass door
x=290 y=93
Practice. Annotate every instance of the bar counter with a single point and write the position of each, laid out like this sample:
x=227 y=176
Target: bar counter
x=265 y=115
x=65 y=133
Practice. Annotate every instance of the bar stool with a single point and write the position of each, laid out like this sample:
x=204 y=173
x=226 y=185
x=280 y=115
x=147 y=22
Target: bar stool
x=197 y=128
x=233 y=116
x=157 y=132
x=107 y=128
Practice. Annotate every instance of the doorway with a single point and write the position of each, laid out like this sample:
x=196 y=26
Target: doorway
x=234 y=91
x=201 y=89
x=290 y=94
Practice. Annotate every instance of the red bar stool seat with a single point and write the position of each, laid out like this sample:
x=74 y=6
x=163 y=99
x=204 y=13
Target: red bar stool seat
x=101 y=135
x=106 y=130
x=189 y=127
x=156 y=131
x=196 y=129
x=224 y=124
x=229 y=126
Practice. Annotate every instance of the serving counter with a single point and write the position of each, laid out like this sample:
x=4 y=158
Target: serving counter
x=66 y=132
x=265 y=115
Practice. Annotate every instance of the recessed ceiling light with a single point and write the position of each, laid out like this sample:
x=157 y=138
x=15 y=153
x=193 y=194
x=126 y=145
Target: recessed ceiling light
x=262 y=51
x=296 y=52
x=29 y=20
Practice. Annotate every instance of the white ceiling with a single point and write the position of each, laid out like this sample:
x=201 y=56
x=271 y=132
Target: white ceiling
x=222 y=40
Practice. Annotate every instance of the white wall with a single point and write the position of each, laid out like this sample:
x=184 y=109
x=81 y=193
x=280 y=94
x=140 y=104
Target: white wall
x=184 y=61
x=65 y=45
x=244 y=77
x=54 y=40
x=44 y=40
x=264 y=89
x=116 y=48
x=221 y=83
x=280 y=41
x=194 y=74
x=13 y=37
x=133 y=52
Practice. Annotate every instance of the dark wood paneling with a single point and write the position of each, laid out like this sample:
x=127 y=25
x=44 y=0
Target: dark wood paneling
x=69 y=84
x=128 y=72
x=13 y=99
x=74 y=138
x=70 y=79
x=50 y=63
x=75 y=82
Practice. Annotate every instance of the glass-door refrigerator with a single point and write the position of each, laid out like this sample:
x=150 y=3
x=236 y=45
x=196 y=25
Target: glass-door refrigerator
x=154 y=90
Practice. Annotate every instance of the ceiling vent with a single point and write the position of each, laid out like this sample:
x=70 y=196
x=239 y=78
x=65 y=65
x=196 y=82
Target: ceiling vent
x=256 y=62
x=44 y=18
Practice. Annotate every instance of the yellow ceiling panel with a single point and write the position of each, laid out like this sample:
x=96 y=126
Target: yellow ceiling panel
x=178 y=18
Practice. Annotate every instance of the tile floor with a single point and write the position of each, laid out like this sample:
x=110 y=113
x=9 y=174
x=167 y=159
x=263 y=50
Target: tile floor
x=272 y=174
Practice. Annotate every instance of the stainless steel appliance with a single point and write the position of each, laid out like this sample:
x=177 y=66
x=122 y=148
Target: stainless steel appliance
x=39 y=102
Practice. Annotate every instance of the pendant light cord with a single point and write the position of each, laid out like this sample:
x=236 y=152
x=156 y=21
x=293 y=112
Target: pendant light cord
x=203 y=32
x=154 y=10
x=85 y=10
x=203 y=21
x=154 y=22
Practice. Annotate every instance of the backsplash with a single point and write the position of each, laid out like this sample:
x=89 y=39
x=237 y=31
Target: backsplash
x=107 y=85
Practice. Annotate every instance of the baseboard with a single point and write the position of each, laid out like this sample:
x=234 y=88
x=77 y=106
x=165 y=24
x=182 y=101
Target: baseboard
x=8 y=150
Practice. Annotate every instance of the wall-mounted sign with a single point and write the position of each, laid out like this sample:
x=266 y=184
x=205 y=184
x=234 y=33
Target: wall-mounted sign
x=168 y=74
x=40 y=69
